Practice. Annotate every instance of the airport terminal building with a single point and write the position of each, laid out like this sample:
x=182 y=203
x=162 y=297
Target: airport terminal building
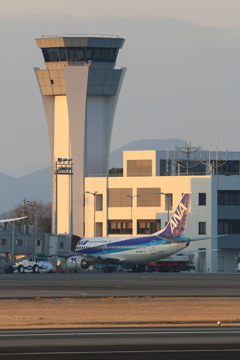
x=131 y=204
x=80 y=87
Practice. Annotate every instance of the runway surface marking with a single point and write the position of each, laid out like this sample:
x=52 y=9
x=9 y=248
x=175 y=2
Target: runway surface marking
x=121 y=352
x=222 y=331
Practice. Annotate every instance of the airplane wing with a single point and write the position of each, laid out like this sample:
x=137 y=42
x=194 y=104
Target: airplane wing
x=95 y=258
x=207 y=237
x=177 y=240
x=101 y=259
x=15 y=219
x=196 y=251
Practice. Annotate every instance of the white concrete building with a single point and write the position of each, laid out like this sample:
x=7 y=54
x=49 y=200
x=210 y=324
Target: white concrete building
x=214 y=209
x=80 y=88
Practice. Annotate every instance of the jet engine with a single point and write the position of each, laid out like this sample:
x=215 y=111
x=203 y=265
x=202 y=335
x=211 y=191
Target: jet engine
x=77 y=262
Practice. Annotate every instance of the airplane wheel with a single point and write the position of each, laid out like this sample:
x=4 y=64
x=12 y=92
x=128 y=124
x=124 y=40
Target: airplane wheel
x=141 y=268
x=106 y=269
x=21 y=269
x=177 y=268
x=36 y=269
x=135 y=269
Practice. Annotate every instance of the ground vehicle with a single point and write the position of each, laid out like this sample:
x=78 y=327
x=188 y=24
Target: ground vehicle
x=174 y=263
x=237 y=257
x=35 y=264
x=7 y=265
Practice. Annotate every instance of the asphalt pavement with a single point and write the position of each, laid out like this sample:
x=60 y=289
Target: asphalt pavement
x=150 y=343
x=86 y=284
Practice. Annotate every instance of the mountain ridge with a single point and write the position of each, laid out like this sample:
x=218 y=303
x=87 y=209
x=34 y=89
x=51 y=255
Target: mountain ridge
x=37 y=185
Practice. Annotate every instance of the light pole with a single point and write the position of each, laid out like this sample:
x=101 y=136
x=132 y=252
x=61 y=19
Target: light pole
x=94 y=194
x=63 y=166
x=168 y=199
x=131 y=197
x=26 y=204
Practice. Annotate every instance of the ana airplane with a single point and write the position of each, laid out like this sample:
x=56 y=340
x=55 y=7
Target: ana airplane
x=135 y=252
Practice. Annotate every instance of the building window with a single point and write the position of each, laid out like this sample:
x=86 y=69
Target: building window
x=165 y=167
x=202 y=199
x=98 y=228
x=228 y=197
x=19 y=242
x=119 y=197
x=148 y=226
x=226 y=168
x=61 y=244
x=228 y=226
x=2 y=241
x=202 y=228
x=38 y=243
x=99 y=201
x=119 y=227
x=148 y=197
x=168 y=201
x=190 y=167
x=139 y=167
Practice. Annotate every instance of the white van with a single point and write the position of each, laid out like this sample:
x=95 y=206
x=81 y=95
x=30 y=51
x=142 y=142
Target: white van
x=35 y=264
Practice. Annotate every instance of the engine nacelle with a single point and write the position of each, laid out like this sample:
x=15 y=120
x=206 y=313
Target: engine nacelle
x=77 y=262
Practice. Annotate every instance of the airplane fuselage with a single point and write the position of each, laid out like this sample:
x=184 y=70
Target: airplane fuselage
x=133 y=251
x=128 y=251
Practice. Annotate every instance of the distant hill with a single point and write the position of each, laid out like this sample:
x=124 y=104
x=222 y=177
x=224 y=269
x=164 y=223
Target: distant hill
x=145 y=144
x=34 y=186
x=38 y=185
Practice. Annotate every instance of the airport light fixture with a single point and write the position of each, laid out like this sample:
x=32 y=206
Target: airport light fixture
x=94 y=209
x=168 y=200
x=131 y=197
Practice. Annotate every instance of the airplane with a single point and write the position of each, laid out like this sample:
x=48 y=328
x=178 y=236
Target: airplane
x=135 y=252
x=14 y=219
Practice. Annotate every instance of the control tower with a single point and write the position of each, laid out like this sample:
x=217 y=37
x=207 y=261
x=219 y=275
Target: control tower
x=80 y=88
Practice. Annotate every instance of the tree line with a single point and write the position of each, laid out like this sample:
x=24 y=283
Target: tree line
x=37 y=212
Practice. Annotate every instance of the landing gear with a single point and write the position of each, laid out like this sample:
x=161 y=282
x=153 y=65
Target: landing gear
x=138 y=268
x=108 y=269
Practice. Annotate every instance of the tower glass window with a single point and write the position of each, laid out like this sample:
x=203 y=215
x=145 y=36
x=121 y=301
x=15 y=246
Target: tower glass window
x=80 y=54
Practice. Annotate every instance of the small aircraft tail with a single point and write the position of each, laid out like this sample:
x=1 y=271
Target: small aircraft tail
x=176 y=225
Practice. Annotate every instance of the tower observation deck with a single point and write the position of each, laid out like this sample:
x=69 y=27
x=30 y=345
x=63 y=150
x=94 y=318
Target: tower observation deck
x=80 y=88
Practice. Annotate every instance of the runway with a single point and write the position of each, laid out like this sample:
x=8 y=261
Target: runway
x=151 y=343
x=86 y=284
x=97 y=343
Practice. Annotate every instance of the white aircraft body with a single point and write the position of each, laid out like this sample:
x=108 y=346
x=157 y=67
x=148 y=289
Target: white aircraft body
x=134 y=252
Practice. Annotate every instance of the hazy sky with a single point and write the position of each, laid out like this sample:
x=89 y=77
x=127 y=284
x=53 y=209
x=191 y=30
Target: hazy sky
x=182 y=59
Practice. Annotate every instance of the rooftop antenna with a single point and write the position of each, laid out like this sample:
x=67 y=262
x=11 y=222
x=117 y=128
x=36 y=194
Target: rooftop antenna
x=188 y=150
x=167 y=157
x=215 y=165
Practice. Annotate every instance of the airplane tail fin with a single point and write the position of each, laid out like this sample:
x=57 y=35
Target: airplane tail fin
x=176 y=225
